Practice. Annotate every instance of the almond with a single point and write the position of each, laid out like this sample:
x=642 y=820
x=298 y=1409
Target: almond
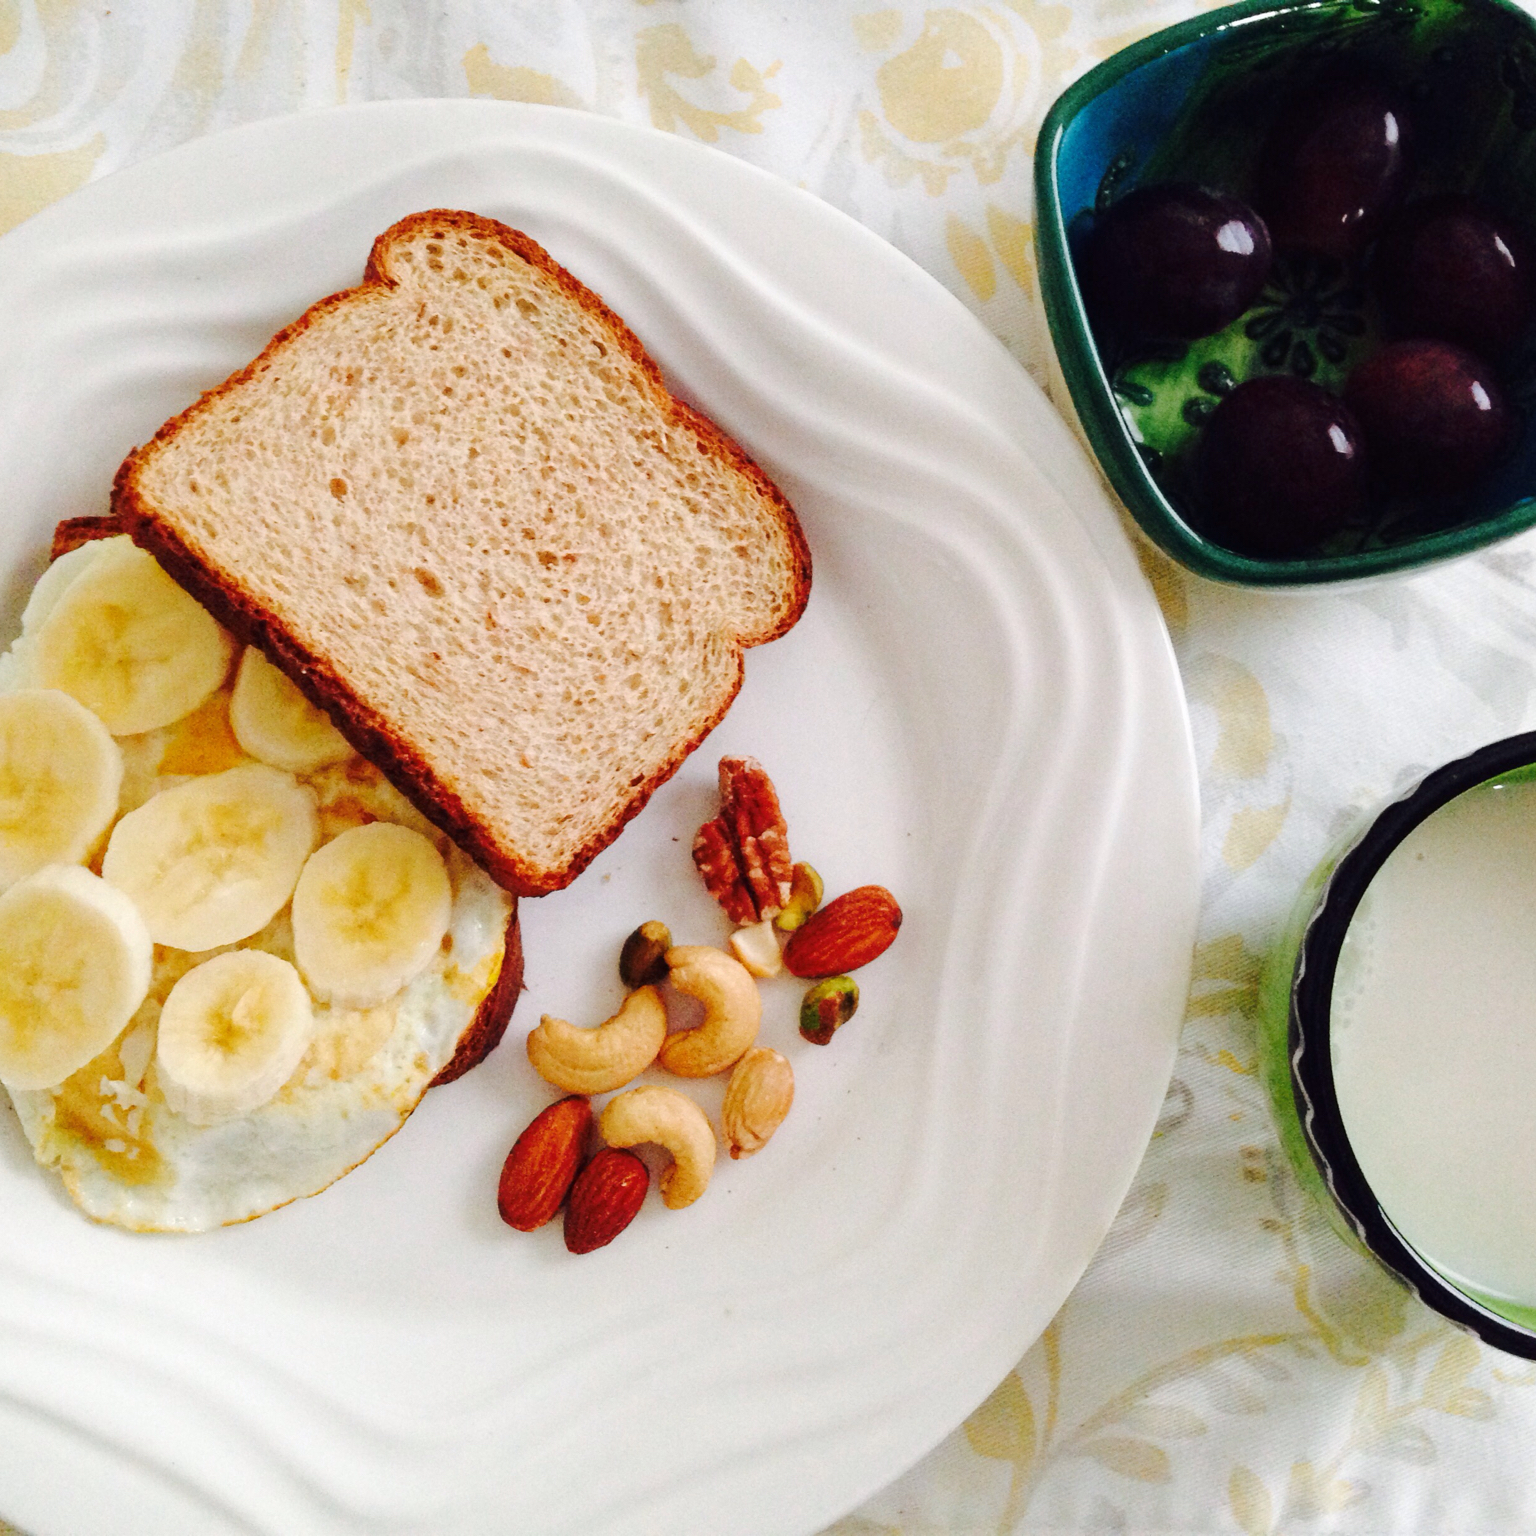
x=844 y=934
x=604 y=1199
x=757 y=1098
x=542 y=1163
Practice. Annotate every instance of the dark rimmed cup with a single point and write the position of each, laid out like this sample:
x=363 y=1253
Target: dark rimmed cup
x=1295 y=1046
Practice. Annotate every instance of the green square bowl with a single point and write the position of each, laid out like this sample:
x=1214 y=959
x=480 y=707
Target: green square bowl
x=1195 y=103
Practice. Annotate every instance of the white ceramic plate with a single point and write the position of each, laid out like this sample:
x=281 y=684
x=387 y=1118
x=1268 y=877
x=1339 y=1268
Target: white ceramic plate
x=979 y=710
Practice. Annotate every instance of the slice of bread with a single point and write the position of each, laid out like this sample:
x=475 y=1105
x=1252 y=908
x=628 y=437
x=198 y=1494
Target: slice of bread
x=459 y=507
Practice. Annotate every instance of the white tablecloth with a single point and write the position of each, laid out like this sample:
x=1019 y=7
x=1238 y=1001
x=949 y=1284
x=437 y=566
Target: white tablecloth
x=1227 y=1364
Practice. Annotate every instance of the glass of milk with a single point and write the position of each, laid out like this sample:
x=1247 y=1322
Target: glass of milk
x=1398 y=1041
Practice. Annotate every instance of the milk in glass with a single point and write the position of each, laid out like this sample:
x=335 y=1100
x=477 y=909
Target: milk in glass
x=1434 y=1039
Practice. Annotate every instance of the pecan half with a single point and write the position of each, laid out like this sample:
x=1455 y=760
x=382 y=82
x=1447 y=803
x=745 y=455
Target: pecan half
x=743 y=854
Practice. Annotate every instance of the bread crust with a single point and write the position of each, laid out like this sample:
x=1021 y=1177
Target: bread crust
x=75 y=531
x=495 y=1011
x=372 y=735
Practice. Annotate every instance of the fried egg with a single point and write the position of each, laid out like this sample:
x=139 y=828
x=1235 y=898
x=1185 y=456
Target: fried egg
x=108 y=1129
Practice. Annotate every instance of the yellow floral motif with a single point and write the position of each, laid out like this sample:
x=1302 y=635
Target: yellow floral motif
x=664 y=51
x=1004 y=1426
x=1249 y=1498
x=1225 y=1059
x=877 y=31
x=487 y=78
x=1224 y=978
x=351 y=12
x=946 y=84
x=1359 y=1316
x=970 y=255
x=1123 y=1435
x=1378 y=1425
x=1008 y=238
x=1168 y=584
x=965 y=93
x=1251 y=830
x=199 y=77
x=52 y=90
x=258 y=37
x=29 y=183
x=1013 y=240
x=1245 y=738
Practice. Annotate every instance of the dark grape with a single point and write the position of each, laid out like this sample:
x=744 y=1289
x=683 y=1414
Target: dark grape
x=1449 y=269
x=1431 y=415
x=1332 y=168
x=1175 y=261
x=1279 y=467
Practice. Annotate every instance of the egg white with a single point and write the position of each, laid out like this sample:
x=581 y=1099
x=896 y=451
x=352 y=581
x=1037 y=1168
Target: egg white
x=124 y=1156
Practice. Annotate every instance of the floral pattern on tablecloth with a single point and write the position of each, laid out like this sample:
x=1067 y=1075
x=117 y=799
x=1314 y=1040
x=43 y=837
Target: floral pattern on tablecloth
x=1227 y=1364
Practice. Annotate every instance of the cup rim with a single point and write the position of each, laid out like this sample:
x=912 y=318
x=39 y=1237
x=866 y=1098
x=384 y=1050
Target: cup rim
x=1092 y=396
x=1309 y=1048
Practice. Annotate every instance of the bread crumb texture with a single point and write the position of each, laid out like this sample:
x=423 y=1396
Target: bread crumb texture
x=462 y=498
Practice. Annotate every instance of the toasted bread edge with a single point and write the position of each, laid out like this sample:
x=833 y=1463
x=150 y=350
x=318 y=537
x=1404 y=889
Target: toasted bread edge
x=495 y=1011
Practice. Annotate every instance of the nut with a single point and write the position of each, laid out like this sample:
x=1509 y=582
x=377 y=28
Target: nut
x=675 y=1122
x=757 y=1098
x=604 y=1199
x=597 y=1060
x=805 y=892
x=844 y=934
x=732 y=1011
x=542 y=1163
x=743 y=854
x=643 y=960
x=757 y=948
x=827 y=1007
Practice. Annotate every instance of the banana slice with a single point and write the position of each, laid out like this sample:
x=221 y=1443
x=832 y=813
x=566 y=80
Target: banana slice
x=75 y=961
x=62 y=574
x=276 y=724
x=369 y=912
x=60 y=773
x=129 y=644
x=213 y=860
x=231 y=1033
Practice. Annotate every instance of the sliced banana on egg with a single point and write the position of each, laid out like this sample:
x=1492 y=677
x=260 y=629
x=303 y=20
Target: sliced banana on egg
x=369 y=912
x=60 y=772
x=276 y=724
x=129 y=644
x=231 y=1033
x=75 y=961
x=213 y=860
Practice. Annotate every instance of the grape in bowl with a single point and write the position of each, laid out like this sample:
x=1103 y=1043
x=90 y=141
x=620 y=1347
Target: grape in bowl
x=1218 y=103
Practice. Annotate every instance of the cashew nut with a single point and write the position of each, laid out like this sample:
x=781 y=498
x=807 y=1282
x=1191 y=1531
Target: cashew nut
x=673 y=1121
x=596 y=1060
x=732 y=1011
x=757 y=947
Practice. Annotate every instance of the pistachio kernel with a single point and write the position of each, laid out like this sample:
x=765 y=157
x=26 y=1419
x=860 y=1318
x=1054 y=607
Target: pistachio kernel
x=643 y=960
x=827 y=1007
x=805 y=892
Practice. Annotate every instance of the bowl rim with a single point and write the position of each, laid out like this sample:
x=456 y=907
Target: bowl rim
x=1309 y=1040
x=1086 y=380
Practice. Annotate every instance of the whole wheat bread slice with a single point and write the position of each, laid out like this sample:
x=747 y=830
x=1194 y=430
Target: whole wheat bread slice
x=459 y=507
